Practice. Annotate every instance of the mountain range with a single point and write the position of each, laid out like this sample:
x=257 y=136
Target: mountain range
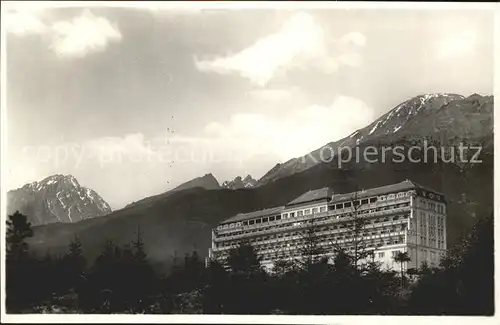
x=57 y=198
x=447 y=118
x=239 y=182
x=180 y=220
x=209 y=182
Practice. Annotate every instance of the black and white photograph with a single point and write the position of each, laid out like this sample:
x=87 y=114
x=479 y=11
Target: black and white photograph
x=241 y=159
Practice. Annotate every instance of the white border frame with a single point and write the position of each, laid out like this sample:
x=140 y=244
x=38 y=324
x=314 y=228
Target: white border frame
x=244 y=319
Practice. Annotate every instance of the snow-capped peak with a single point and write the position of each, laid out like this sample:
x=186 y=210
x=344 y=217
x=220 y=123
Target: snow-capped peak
x=418 y=116
x=57 y=198
x=239 y=182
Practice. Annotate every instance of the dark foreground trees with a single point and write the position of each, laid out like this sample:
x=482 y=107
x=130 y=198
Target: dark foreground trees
x=19 y=263
x=465 y=283
x=121 y=280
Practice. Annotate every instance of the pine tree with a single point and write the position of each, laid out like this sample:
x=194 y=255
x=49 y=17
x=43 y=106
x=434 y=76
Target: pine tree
x=282 y=267
x=104 y=277
x=139 y=251
x=195 y=269
x=216 y=291
x=18 y=230
x=244 y=260
x=74 y=263
x=75 y=254
x=311 y=252
x=246 y=293
x=145 y=282
x=359 y=252
x=19 y=264
x=70 y=271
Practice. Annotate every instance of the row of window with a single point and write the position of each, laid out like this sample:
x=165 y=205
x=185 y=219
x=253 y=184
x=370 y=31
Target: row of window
x=433 y=206
x=432 y=233
x=431 y=196
x=433 y=242
x=278 y=217
x=314 y=210
x=395 y=196
x=393 y=253
x=431 y=221
x=296 y=254
x=372 y=200
x=356 y=203
x=340 y=226
x=250 y=222
x=289 y=240
x=424 y=254
x=439 y=220
x=304 y=212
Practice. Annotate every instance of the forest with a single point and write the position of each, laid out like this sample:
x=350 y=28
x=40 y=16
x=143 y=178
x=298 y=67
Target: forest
x=122 y=280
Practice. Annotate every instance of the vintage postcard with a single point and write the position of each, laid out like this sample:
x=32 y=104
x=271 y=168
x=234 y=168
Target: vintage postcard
x=248 y=162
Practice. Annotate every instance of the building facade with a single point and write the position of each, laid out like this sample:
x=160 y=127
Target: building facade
x=402 y=217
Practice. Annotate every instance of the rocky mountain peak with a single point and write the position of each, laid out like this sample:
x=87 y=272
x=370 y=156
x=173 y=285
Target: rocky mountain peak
x=207 y=181
x=56 y=198
x=239 y=182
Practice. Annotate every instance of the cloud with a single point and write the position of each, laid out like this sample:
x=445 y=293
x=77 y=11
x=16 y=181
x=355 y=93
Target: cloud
x=75 y=38
x=354 y=38
x=24 y=21
x=297 y=132
x=301 y=43
x=278 y=95
x=245 y=143
x=84 y=34
x=131 y=144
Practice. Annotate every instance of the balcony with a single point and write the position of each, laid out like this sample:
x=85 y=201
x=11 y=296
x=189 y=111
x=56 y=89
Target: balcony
x=332 y=219
x=299 y=237
x=329 y=213
x=325 y=243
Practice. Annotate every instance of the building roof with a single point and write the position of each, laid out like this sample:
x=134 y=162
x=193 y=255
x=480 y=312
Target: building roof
x=326 y=193
x=313 y=195
x=398 y=187
x=254 y=214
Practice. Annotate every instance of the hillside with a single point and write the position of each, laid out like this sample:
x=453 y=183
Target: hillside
x=448 y=118
x=183 y=221
x=178 y=222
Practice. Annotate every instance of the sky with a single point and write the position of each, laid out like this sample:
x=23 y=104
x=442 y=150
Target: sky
x=134 y=101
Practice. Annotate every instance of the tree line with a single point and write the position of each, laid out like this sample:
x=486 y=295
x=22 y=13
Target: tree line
x=122 y=280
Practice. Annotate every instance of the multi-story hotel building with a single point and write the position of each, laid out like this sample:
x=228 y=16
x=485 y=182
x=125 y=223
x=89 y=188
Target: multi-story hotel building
x=402 y=217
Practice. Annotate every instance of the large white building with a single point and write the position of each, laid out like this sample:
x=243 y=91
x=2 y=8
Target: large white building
x=402 y=217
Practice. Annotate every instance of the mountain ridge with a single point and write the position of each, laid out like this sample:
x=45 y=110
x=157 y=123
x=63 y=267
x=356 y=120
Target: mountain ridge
x=239 y=182
x=56 y=198
x=178 y=222
x=387 y=125
x=208 y=182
